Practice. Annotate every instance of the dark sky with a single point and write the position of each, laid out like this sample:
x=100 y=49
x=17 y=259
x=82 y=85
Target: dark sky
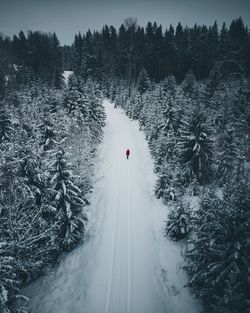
x=66 y=17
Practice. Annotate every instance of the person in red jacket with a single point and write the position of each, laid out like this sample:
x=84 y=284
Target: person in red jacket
x=127 y=153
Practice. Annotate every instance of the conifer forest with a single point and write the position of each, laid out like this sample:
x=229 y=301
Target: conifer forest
x=188 y=88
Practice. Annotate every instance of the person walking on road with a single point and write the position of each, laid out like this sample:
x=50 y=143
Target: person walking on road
x=127 y=153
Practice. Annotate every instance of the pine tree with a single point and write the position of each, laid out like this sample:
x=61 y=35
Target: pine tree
x=196 y=145
x=189 y=84
x=72 y=98
x=48 y=134
x=178 y=224
x=76 y=100
x=239 y=111
x=171 y=57
x=9 y=282
x=78 y=53
x=155 y=119
x=165 y=149
x=83 y=104
x=56 y=57
x=169 y=86
x=212 y=84
x=135 y=105
x=2 y=84
x=143 y=81
x=94 y=110
x=238 y=33
x=30 y=170
x=5 y=124
x=164 y=181
x=221 y=252
x=58 y=79
x=68 y=201
x=121 y=95
x=170 y=181
x=228 y=157
x=54 y=101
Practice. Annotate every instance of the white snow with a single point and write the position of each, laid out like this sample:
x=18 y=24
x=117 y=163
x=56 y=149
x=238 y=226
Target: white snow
x=125 y=265
x=66 y=75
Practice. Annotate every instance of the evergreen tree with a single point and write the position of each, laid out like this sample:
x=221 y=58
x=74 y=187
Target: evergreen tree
x=221 y=253
x=178 y=224
x=238 y=32
x=58 y=79
x=68 y=201
x=228 y=157
x=5 y=124
x=213 y=84
x=2 y=84
x=56 y=58
x=143 y=81
x=169 y=86
x=165 y=150
x=165 y=181
x=179 y=36
x=239 y=114
x=48 y=134
x=30 y=174
x=76 y=99
x=196 y=145
x=134 y=105
x=171 y=57
x=9 y=282
x=94 y=111
x=78 y=53
x=189 y=84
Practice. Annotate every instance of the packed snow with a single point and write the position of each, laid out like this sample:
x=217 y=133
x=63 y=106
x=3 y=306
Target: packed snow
x=66 y=75
x=125 y=263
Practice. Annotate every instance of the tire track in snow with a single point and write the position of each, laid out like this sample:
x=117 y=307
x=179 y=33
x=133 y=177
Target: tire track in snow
x=129 y=288
x=114 y=255
x=119 y=287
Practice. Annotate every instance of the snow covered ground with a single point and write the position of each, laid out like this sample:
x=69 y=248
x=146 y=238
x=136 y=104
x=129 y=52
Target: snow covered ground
x=125 y=265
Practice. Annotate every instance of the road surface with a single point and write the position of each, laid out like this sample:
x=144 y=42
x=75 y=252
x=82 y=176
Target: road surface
x=125 y=265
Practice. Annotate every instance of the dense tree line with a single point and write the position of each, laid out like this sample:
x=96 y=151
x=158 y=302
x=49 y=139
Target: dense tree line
x=125 y=51
x=49 y=132
x=198 y=134
x=35 y=56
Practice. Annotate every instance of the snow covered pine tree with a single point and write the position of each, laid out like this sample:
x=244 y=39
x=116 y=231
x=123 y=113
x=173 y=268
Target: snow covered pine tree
x=68 y=201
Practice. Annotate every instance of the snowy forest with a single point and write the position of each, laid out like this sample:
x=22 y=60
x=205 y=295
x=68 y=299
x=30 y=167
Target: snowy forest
x=189 y=88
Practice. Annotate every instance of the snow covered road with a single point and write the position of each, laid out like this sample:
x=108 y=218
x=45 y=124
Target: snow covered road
x=126 y=265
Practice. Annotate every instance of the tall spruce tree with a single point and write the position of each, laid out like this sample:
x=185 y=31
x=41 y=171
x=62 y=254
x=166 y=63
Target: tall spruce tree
x=68 y=201
x=196 y=145
x=143 y=81
x=178 y=224
x=228 y=156
x=48 y=134
x=2 y=84
x=5 y=124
